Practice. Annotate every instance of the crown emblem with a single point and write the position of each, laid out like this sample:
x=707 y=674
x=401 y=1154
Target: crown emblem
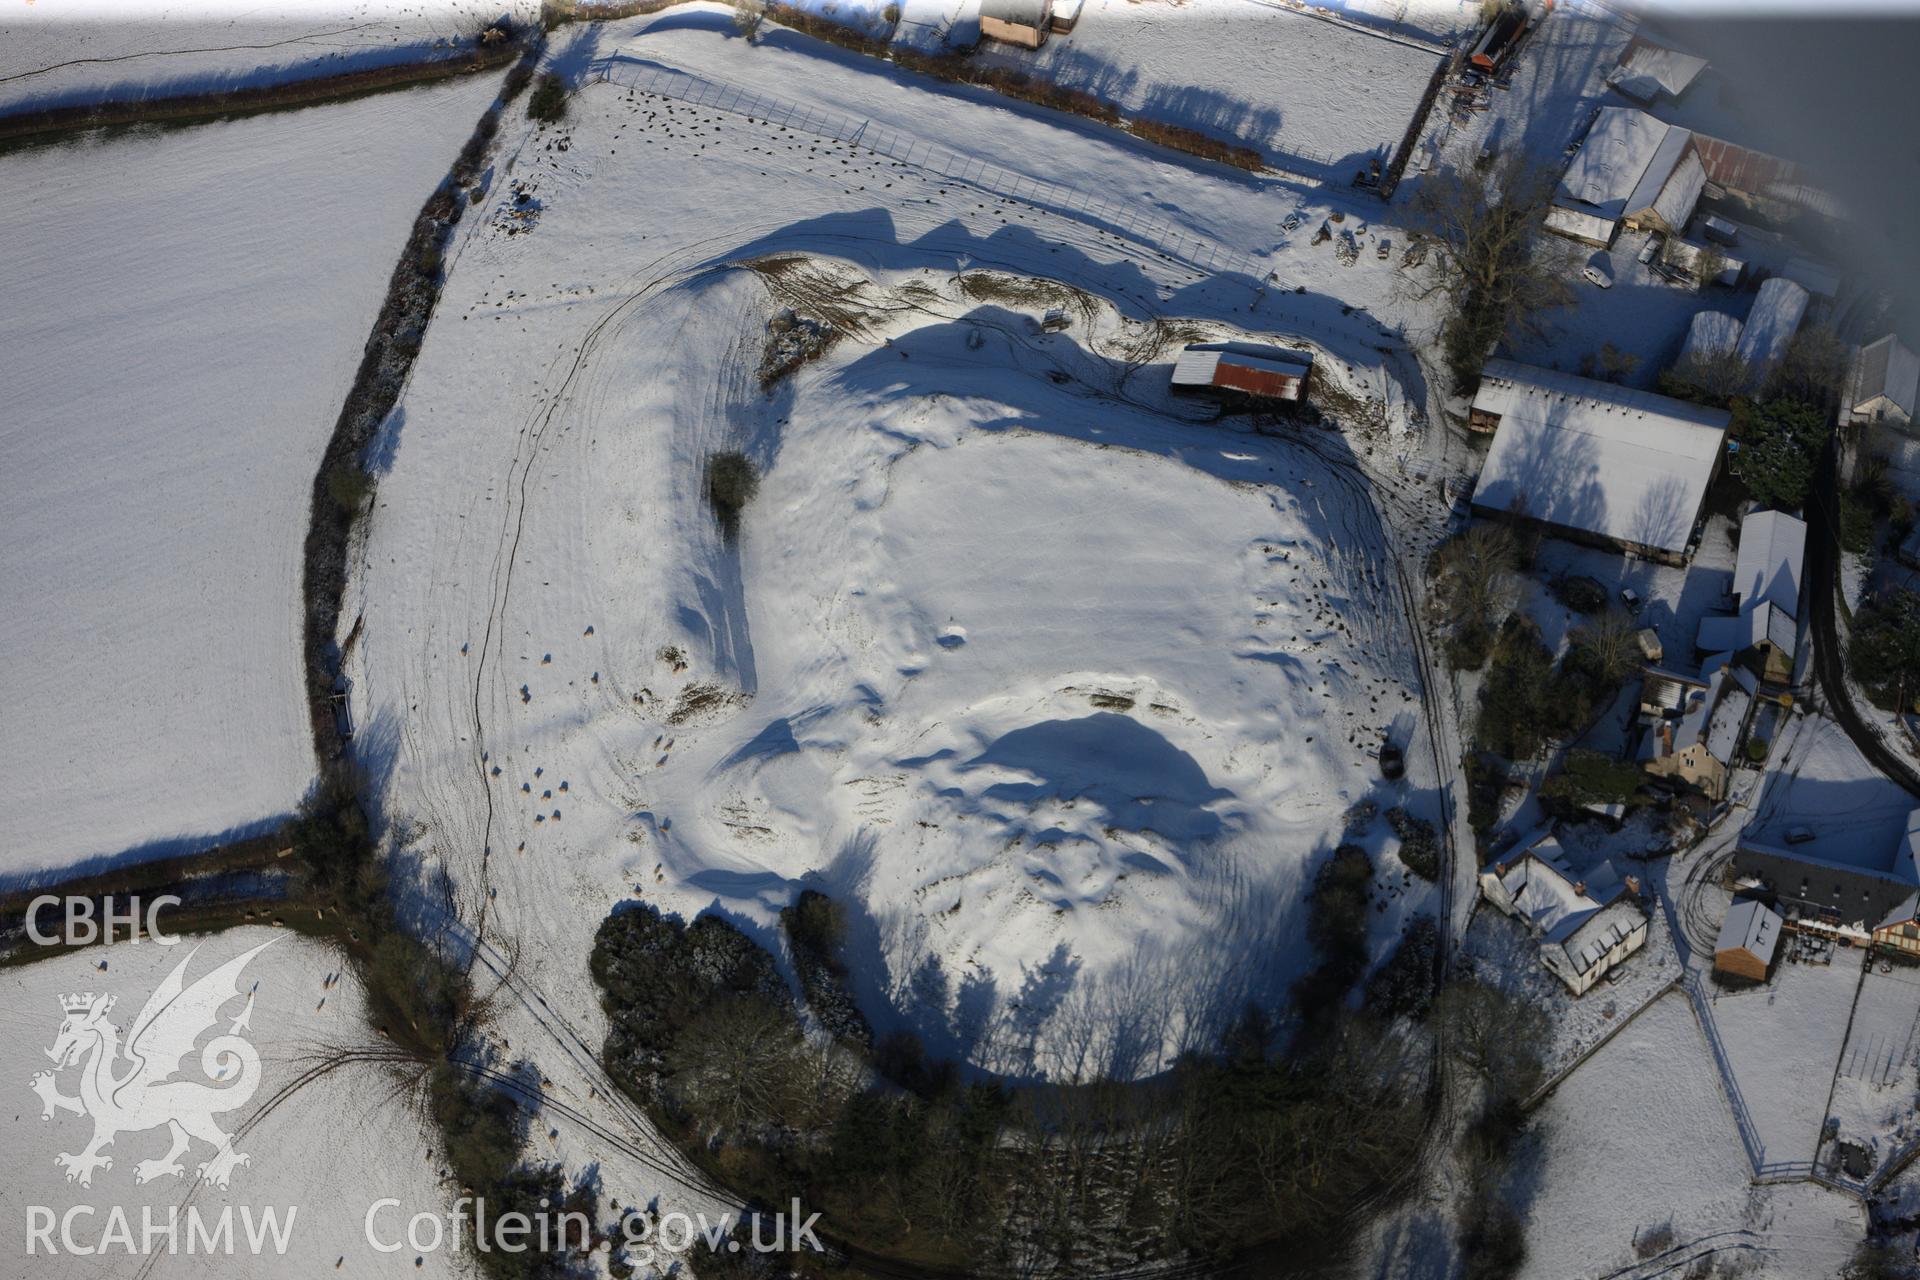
x=77 y=1004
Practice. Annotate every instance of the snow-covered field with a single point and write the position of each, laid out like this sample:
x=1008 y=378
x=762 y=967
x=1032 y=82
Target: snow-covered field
x=1784 y=1041
x=1873 y=1089
x=1064 y=691
x=58 y=53
x=185 y=311
x=1317 y=97
x=322 y=1154
x=1639 y=1139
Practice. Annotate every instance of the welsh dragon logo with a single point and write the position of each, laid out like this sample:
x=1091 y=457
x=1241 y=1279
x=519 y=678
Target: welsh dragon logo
x=130 y=1088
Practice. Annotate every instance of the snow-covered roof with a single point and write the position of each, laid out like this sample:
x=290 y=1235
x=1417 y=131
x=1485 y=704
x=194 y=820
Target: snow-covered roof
x=1885 y=368
x=1771 y=324
x=1906 y=859
x=1687 y=255
x=1552 y=893
x=1625 y=164
x=1648 y=70
x=1710 y=333
x=1698 y=714
x=1729 y=632
x=1723 y=729
x=1856 y=895
x=1660 y=687
x=1767 y=568
x=1584 y=946
x=1750 y=926
x=1026 y=13
x=1605 y=459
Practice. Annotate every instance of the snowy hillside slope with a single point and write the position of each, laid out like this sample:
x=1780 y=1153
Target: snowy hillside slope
x=1062 y=689
x=345 y=1138
x=60 y=53
x=180 y=330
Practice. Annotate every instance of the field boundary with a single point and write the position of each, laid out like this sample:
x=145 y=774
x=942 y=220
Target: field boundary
x=225 y=103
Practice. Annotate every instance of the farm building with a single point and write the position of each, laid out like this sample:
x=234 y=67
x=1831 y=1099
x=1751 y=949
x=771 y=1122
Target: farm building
x=1770 y=326
x=1767 y=630
x=1857 y=904
x=1243 y=369
x=1706 y=263
x=1648 y=71
x=1766 y=595
x=1694 y=741
x=1767 y=567
x=1633 y=171
x=1595 y=462
x=1586 y=920
x=1882 y=383
x=1019 y=22
x=1748 y=936
x=1742 y=169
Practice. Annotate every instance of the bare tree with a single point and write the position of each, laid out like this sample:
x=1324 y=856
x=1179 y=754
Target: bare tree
x=747 y=17
x=1608 y=644
x=1499 y=1037
x=733 y=1067
x=1712 y=376
x=1488 y=260
x=1813 y=369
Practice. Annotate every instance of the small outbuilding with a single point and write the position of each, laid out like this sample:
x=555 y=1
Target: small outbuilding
x=1648 y=71
x=1748 y=937
x=1018 y=22
x=1243 y=369
x=1882 y=383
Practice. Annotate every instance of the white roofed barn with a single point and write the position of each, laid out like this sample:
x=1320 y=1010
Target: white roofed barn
x=1596 y=462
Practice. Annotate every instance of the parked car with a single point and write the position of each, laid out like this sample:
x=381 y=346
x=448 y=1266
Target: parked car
x=1292 y=223
x=1799 y=835
x=1599 y=271
x=1384 y=248
x=1651 y=249
x=1630 y=598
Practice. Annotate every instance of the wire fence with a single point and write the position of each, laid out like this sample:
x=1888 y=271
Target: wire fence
x=1163 y=238
x=1742 y=1118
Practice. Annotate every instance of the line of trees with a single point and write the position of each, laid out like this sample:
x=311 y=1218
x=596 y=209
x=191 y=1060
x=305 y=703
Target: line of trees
x=1487 y=258
x=1267 y=1137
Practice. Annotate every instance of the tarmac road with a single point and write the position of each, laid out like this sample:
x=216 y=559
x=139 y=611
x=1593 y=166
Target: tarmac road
x=1829 y=657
